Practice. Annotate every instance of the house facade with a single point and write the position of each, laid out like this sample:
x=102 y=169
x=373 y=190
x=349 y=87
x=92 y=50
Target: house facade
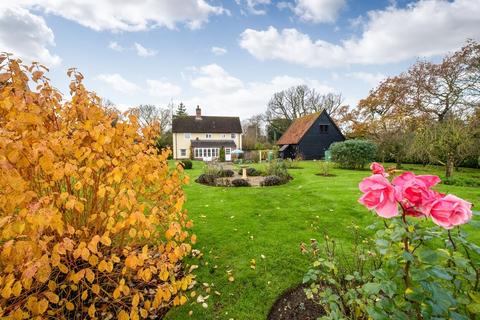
x=309 y=137
x=201 y=137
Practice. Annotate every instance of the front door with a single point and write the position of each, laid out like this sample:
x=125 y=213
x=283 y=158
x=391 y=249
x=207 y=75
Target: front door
x=228 y=154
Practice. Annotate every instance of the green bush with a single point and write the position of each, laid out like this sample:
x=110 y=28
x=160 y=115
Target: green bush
x=278 y=168
x=207 y=179
x=221 y=156
x=353 y=154
x=251 y=172
x=325 y=168
x=240 y=183
x=186 y=164
x=226 y=173
x=272 y=181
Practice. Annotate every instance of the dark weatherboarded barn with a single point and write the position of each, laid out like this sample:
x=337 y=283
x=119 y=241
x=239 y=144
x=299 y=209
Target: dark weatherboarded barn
x=309 y=136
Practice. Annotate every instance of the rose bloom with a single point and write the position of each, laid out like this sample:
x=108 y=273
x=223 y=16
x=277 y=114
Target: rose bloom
x=379 y=195
x=377 y=168
x=450 y=211
x=414 y=192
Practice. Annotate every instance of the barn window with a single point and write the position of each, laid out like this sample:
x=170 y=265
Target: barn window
x=324 y=128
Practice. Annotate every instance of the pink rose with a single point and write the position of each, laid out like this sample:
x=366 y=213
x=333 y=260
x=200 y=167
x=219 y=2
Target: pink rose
x=450 y=211
x=410 y=210
x=379 y=195
x=414 y=192
x=377 y=168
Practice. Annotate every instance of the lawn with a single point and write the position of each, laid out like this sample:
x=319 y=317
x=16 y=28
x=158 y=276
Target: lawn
x=236 y=225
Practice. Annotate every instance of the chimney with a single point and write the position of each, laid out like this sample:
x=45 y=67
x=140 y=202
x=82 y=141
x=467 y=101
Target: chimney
x=198 y=115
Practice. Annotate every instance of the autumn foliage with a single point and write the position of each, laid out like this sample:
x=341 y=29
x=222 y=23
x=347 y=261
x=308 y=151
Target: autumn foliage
x=91 y=218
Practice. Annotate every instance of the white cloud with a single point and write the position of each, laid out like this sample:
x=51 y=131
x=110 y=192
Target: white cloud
x=318 y=10
x=158 y=88
x=422 y=29
x=218 y=51
x=139 y=15
x=118 y=83
x=144 y=52
x=371 y=78
x=26 y=36
x=115 y=46
x=213 y=78
x=239 y=98
x=292 y=46
x=252 y=6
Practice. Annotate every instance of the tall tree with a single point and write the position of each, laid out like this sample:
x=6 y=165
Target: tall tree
x=448 y=142
x=181 y=110
x=448 y=88
x=431 y=104
x=149 y=114
x=299 y=101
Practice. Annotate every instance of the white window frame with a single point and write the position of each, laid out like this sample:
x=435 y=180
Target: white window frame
x=183 y=152
x=208 y=135
x=206 y=152
x=233 y=135
x=187 y=135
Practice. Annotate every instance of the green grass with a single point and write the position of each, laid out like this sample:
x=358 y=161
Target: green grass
x=235 y=225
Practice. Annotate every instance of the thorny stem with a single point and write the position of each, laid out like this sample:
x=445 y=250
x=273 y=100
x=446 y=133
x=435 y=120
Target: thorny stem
x=451 y=241
x=406 y=277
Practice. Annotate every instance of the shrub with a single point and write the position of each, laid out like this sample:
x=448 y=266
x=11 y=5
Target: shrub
x=353 y=154
x=91 y=219
x=240 y=183
x=221 y=156
x=186 y=164
x=251 y=172
x=325 y=168
x=272 y=181
x=207 y=179
x=226 y=173
x=212 y=169
x=410 y=269
x=278 y=168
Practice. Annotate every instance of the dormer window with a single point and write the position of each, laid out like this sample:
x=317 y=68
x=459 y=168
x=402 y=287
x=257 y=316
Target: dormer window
x=208 y=135
x=324 y=128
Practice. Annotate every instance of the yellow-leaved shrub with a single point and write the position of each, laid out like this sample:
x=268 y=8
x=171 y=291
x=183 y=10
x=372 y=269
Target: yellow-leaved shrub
x=91 y=218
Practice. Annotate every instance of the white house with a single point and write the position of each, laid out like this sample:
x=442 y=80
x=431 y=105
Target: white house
x=204 y=136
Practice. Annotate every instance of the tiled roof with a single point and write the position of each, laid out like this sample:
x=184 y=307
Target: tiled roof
x=213 y=143
x=207 y=124
x=297 y=129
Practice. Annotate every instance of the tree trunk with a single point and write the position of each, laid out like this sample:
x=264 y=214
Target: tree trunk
x=450 y=167
x=399 y=163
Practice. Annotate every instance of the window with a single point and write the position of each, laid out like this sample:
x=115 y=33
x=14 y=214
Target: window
x=183 y=152
x=224 y=135
x=188 y=135
x=206 y=152
x=208 y=135
x=324 y=128
x=233 y=135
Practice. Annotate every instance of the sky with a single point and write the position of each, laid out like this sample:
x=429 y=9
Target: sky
x=230 y=57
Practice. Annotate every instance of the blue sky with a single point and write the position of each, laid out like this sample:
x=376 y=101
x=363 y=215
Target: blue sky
x=231 y=56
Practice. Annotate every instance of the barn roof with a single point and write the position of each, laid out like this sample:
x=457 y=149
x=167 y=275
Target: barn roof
x=206 y=124
x=298 y=128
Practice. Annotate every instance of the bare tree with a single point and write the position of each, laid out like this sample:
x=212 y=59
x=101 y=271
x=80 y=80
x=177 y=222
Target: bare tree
x=450 y=87
x=296 y=102
x=149 y=114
